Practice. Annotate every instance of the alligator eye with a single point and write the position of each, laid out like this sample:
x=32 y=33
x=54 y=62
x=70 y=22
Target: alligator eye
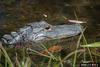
x=48 y=28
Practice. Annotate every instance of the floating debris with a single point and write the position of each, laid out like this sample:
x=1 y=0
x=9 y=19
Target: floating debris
x=76 y=21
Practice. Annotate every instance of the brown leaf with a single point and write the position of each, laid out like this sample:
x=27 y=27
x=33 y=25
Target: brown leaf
x=53 y=49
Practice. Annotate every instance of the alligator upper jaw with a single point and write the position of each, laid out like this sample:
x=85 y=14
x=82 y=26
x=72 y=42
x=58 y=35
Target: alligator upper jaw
x=60 y=31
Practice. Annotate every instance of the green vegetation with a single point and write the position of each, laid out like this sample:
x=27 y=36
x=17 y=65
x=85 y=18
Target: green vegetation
x=29 y=57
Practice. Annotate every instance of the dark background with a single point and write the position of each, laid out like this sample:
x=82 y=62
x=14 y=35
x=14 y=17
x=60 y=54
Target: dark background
x=16 y=13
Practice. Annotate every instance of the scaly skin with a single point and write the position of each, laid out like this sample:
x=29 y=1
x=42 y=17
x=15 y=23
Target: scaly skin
x=41 y=31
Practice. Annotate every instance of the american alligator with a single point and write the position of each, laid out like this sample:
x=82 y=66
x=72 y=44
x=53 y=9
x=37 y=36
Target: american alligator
x=41 y=31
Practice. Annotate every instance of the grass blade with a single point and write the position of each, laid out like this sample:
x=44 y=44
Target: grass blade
x=6 y=56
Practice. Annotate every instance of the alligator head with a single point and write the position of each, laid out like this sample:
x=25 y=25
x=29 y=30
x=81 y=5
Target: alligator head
x=41 y=31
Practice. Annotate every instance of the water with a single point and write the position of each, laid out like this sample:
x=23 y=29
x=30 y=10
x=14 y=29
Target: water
x=16 y=13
